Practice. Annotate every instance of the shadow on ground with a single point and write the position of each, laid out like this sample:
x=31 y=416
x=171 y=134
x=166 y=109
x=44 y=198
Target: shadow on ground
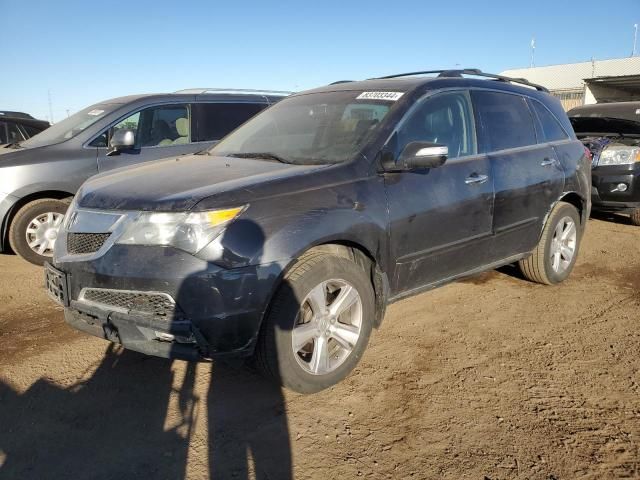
x=133 y=419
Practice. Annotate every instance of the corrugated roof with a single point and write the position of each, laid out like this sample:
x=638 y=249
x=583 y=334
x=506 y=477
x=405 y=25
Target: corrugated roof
x=571 y=75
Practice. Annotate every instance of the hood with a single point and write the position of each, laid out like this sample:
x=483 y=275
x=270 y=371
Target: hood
x=605 y=126
x=180 y=183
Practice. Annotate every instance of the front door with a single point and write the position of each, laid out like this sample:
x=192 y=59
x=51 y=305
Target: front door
x=440 y=218
x=160 y=131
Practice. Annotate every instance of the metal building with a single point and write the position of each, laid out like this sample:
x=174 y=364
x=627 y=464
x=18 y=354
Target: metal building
x=596 y=81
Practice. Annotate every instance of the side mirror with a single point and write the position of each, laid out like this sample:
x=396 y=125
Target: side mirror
x=121 y=140
x=423 y=155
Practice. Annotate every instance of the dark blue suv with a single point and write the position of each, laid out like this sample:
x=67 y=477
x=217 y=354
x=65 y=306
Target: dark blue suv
x=287 y=240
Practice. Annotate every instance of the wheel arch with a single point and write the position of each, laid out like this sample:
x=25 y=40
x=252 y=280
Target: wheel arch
x=6 y=222
x=354 y=252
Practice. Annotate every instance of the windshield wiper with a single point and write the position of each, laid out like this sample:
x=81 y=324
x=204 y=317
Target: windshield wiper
x=261 y=155
x=14 y=145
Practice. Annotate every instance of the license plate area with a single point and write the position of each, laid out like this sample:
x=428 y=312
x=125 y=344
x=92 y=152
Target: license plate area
x=56 y=285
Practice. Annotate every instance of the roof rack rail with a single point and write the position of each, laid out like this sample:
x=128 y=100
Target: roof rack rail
x=340 y=81
x=199 y=91
x=469 y=71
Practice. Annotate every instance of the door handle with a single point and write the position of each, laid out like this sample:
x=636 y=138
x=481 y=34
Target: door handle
x=476 y=179
x=547 y=162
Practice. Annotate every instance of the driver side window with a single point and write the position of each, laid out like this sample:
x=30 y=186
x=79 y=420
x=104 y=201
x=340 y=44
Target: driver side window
x=445 y=119
x=154 y=127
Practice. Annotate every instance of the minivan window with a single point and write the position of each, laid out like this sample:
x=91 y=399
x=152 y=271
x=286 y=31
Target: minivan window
x=212 y=121
x=316 y=128
x=506 y=120
x=10 y=133
x=445 y=119
x=551 y=128
x=154 y=126
x=70 y=127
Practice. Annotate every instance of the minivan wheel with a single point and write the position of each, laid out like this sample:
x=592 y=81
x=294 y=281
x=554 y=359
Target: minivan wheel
x=34 y=229
x=318 y=325
x=635 y=217
x=553 y=259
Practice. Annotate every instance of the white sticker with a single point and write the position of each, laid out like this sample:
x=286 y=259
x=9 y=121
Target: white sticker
x=95 y=113
x=389 y=96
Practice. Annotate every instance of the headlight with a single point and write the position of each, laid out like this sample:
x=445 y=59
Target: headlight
x=619 y=155
x=190 y=232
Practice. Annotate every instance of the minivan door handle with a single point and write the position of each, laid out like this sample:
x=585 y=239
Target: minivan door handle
x=476 y=179
x=547 y=162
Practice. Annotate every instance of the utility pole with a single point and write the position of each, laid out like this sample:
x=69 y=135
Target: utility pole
x=635 y=39
x=533 y=52
x=50 y=107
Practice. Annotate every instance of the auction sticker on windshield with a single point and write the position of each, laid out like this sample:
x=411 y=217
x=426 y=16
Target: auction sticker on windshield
x=389 y=96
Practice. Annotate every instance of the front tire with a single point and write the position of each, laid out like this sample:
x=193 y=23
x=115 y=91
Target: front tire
x=635 y=217
x=318 y=325
x=34 y=229
x=553 y=259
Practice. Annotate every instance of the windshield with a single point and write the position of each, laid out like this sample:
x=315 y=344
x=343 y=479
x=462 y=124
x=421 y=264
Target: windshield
x=70 y=127
x=309 y=129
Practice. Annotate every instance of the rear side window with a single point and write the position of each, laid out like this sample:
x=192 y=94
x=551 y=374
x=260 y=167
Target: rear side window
x=31 y=130
x=506 y=120
x=213 y=121
x=552 y=131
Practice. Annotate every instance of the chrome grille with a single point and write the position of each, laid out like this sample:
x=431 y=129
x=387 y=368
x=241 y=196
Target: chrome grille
x=150 y=303
x=85 y=243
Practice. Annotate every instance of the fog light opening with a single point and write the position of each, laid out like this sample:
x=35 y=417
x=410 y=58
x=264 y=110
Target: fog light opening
x=621 y=187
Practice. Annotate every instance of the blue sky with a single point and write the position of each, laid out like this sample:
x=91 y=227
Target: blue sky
x=84 y=51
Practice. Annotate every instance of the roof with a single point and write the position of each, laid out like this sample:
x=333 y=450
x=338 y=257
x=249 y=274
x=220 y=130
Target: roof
x=624 y=110
x=572 y=75
x=411 y=83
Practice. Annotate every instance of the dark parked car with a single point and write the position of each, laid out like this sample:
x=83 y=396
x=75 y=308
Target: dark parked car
x=39 y=176
x=611 y=131
x=14 y=129
x=291 y=236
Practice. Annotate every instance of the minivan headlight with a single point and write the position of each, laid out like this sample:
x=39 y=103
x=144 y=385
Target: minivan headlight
x=619 y=155
x=190 y=232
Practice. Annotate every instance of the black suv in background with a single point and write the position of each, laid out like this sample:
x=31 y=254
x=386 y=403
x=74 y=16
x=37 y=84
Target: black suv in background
x=16 y=127
x=611 y=131
x=288 y=238
x=39 y=176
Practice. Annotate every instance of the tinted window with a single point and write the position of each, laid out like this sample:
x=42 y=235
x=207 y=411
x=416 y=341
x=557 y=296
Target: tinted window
x=31 y=130
x=444 y=119
x=10 y=133
x=214 y=120
x=551 y=129
x=506 y=120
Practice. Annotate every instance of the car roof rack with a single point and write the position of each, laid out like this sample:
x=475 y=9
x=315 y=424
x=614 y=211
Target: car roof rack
x=200 y=91
x=340 y=81
x=469 y=71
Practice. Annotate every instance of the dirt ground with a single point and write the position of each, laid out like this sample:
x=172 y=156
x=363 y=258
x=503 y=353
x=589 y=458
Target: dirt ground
x=489 y=378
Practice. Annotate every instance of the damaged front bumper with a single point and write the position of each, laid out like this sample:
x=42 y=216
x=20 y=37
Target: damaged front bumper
x=165 y=302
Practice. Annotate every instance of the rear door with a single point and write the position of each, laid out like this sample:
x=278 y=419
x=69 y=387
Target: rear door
x=440 y=218
x=527 y=175
x=160 y=131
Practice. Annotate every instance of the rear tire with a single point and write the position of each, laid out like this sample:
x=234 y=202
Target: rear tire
x=553 y=259
x=341 y=286
x=33 y=229
x=635 y=217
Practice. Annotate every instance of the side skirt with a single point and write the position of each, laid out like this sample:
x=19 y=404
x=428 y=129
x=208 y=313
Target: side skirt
x=475 y=271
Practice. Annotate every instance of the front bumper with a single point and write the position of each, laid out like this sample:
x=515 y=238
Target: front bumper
x=604 y=194
x=217 y=311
